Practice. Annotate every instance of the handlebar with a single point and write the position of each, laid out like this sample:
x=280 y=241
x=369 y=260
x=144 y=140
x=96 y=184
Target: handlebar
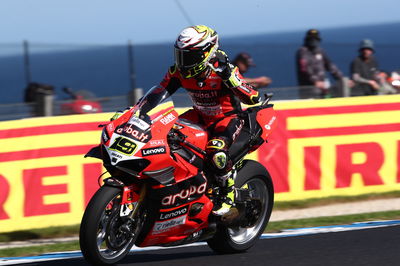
x=177 y=137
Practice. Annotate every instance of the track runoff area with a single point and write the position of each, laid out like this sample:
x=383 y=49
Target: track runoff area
x=284 y=234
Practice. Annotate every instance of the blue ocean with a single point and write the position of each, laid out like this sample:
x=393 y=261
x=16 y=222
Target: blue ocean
x=105 y=70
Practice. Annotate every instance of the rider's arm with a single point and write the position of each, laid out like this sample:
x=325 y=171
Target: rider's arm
x=171 y=81
x=243 y=90
x=233 y=80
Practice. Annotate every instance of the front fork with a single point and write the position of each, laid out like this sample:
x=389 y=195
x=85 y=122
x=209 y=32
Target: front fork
x=132 y=197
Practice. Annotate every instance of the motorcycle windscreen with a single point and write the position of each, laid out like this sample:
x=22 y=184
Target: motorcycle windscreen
x=156 y=103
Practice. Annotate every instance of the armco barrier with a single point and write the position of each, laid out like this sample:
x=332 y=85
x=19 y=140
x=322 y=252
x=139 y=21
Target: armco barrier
x=343 y=146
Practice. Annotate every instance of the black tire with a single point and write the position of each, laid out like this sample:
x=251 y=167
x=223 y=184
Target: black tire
x=97 y=220
x=229 y=240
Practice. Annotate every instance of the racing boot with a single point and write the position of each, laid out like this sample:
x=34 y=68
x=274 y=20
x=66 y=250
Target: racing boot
x=227 y=184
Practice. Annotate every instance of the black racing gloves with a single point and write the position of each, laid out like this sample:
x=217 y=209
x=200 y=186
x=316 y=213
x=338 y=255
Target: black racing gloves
x=221 y=65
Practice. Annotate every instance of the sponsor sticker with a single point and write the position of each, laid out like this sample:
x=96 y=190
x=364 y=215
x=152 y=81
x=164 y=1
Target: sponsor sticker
x=168 y=119
x=184 y=194
x=268 y=126
x=154 y=151
x=160 y=227
x=173 y=214
x=135 y=132
x=210 y=110
x=238 y=129
x=114 y=154
x=139 y=123
x=157 y=142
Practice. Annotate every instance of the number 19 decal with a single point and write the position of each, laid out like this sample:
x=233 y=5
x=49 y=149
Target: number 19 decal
x=123 y=145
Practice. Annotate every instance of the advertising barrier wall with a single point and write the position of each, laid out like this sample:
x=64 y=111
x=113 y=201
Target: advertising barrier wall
x=343 y=146
x=335 y=147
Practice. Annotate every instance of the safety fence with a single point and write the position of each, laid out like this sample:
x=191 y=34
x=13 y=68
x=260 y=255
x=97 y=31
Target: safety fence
x=46 y=105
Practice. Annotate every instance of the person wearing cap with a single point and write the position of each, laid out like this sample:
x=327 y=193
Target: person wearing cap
x=365 y=71
x=244 y=61
x=312 y=63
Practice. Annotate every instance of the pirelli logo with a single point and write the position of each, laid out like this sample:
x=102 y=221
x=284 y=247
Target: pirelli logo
x=345 y=149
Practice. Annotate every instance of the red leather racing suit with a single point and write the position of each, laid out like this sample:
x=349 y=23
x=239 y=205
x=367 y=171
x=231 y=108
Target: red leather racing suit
x=215 y=106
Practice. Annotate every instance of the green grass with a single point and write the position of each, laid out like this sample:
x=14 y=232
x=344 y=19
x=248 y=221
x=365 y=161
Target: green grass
x=332 y=220
x=51 y=232
x=37 y=250
x=272 y=227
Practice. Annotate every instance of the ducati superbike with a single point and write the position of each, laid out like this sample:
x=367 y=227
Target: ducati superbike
x=160 y=191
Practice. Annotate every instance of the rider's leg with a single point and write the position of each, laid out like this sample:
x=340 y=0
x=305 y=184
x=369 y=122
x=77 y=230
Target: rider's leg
x=222 y=137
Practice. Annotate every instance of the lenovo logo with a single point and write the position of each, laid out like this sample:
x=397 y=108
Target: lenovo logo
x=173 y=214
x=154 y=151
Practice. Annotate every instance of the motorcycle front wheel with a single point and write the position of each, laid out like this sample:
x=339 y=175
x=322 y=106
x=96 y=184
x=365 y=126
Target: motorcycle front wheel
x=105 y=237
x=254 y=177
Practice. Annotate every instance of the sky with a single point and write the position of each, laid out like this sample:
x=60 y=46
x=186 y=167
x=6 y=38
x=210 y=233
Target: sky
x=116 y=22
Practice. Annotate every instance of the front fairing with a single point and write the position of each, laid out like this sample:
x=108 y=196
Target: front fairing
x=136 y=144
x=141 y=133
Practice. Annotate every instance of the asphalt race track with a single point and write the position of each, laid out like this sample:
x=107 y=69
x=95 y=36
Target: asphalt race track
x=374 y=246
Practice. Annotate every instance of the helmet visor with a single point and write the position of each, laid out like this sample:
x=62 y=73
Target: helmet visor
x=188 y=58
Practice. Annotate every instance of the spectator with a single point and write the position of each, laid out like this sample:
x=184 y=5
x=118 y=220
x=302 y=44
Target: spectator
x=244 y=61
x=312 y=64
x=366 y=74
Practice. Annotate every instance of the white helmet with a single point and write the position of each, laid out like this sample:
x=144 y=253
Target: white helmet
x=194 y=48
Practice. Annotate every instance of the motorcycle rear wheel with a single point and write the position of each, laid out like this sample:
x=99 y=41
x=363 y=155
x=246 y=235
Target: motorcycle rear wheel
x=239 y=239
x=101 y=239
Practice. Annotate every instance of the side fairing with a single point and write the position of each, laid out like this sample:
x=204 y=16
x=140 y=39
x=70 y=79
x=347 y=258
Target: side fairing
x=267 y=120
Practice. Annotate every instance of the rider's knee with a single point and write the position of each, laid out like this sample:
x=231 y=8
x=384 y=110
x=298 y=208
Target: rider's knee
x=217 y=154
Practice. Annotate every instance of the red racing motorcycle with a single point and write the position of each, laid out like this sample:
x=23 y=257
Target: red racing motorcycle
x=160 y=193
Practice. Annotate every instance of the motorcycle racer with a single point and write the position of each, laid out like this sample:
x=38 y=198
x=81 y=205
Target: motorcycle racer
x=216 y=88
